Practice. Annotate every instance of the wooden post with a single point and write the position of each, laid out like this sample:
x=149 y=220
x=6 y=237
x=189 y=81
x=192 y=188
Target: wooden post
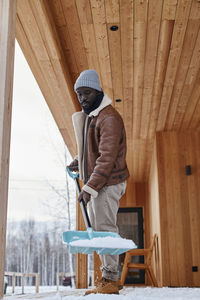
x=7 y=40
x=37 y=283
x=97 y=265
x=22 y=283
x=13 y=282
x=81 y=259
x=57 y=281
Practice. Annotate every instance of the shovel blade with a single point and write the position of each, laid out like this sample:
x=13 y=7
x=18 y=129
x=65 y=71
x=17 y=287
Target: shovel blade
x=71 y=236
x=100 y=251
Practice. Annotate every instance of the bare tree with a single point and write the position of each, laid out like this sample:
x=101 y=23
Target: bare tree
x=36 y=249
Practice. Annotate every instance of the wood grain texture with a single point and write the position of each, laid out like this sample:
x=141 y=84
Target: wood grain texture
x=180 y=25
x=126 y=30
x=153 y=213
x=44 y=54
x=72 y=21
x=178 y=204
x=116 y=66
x=7 y=45
x=81 y=259
x=98 y=14
x=189 y=54
x=152 y=38
x=151 y=62
x=88 y=33
x=139 y=35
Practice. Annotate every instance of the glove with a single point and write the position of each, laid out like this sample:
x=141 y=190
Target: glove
x=84 y=196
x=73 y=167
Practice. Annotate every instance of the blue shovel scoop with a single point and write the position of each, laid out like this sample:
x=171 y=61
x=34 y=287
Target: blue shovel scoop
x=71 y=237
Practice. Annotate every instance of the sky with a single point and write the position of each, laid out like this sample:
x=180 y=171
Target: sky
x=37 y=161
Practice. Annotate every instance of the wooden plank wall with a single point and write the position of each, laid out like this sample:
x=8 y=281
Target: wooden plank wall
x=178 y=205
x=153 y=212
x=7 y=42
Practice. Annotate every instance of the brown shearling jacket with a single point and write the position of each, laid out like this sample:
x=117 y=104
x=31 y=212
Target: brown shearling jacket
x=104 y=153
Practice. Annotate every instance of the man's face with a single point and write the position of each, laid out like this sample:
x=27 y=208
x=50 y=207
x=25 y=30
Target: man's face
x=87 y=96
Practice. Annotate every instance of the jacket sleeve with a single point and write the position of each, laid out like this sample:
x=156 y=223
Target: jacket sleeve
x=110 y=135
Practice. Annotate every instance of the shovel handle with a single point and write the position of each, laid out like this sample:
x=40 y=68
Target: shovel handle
x=82 y=203
x=85 y=214
x=71 y=174
x=83 y=206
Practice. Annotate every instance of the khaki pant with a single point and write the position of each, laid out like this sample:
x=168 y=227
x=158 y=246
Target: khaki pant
x=103 y=216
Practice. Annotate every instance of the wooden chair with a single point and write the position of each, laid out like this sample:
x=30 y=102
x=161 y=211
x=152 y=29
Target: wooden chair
x=147 y=253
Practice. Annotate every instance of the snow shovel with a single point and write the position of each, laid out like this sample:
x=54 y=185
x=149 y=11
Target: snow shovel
x=77 y=241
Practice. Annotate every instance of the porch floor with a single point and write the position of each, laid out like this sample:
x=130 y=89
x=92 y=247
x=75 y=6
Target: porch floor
x=127 y=293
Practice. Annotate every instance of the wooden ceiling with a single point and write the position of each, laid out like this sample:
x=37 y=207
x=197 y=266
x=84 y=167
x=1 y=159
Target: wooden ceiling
x=151 y=63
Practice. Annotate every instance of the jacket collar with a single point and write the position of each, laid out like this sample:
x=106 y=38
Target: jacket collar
x=105 y=102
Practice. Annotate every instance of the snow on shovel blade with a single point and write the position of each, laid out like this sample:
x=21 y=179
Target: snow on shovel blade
x=101 y=242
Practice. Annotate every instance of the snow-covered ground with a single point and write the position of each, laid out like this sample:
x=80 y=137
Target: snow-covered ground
x=128 y=293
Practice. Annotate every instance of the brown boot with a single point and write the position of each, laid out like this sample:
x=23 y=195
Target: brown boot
x=104 y=286
x=118 y=283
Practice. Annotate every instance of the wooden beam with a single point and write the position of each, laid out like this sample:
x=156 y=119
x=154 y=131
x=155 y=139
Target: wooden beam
x=126 y=29
x=140 y=32
x=189 y=60
x=64 y=36
x=7 y=42
x=195 y=120
x=116 y=66
x=193 y=70
x=112 y=11
x=38 y=38
x=98 y=14
x=153 y=30
x=165 y=36
x=192 y=116
x=114 y=41
x=72 y=21
x=139 y=46
x=161 y=66
x=182 y=15
x=87 y=27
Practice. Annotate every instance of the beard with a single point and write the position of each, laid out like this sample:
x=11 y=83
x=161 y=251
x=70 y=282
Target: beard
x=96 y=104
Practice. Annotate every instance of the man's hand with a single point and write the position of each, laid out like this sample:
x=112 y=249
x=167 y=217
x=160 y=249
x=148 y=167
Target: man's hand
x=73 y=167
x=84 y=196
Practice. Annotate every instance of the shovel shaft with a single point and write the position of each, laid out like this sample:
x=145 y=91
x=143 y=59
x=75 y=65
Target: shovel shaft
x=78 y=189
x=82 y=203
x=83 y=207
x=85 y=214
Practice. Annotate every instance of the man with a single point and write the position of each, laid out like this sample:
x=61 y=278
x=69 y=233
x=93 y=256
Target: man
x=101 y=143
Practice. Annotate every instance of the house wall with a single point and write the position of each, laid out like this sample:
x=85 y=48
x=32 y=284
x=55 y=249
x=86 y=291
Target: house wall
x=171 y=207
x=175 y=205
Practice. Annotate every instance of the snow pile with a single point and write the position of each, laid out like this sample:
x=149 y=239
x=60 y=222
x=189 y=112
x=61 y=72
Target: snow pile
x=147 y=293
x=105 y=242
x=128 y=293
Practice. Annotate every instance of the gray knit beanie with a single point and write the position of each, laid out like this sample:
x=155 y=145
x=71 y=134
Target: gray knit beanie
x=88 y=78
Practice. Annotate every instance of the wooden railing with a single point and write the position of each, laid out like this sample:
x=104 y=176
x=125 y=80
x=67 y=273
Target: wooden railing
x=23 y=275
